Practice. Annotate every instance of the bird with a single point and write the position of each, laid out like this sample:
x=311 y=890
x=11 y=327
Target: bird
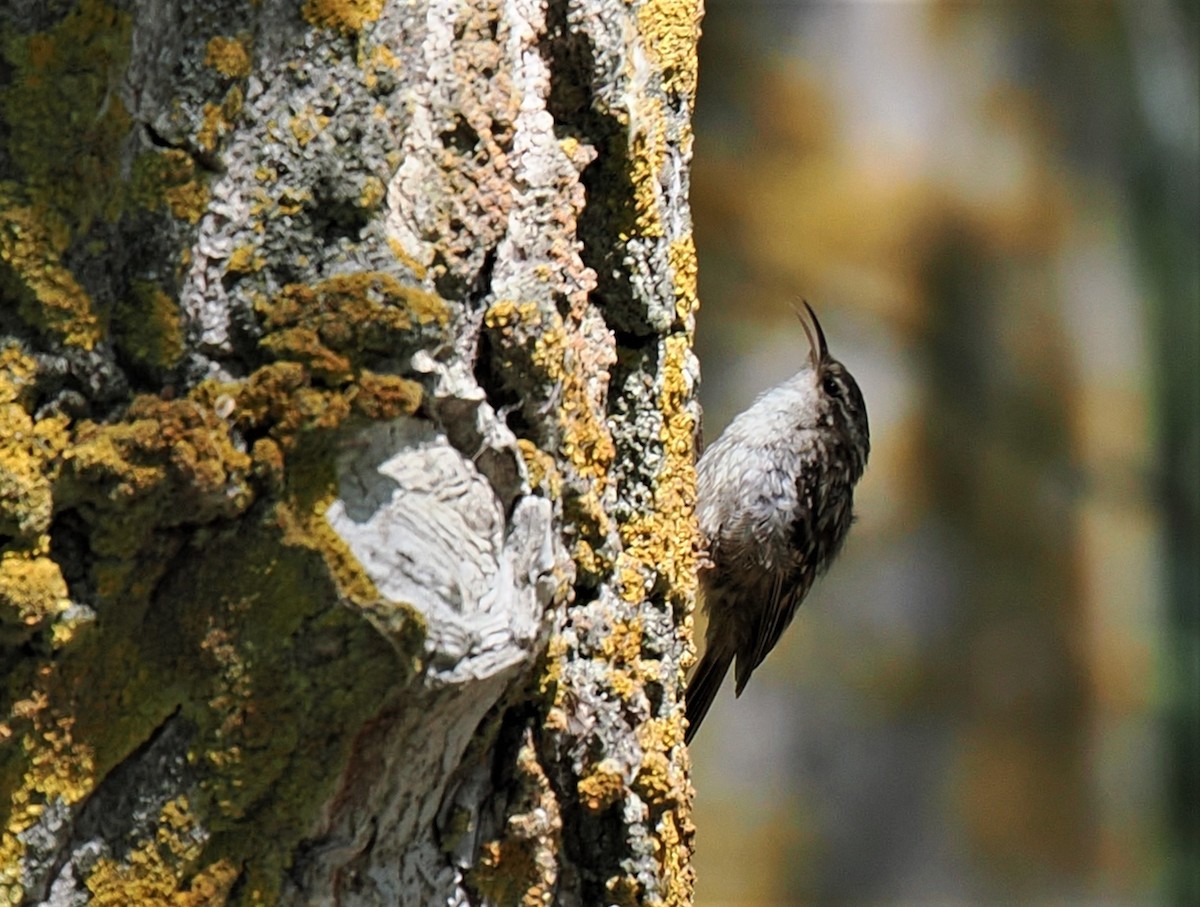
x=774 y=502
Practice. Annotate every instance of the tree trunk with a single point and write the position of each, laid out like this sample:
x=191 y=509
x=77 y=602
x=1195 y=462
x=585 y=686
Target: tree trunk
x=346 y=459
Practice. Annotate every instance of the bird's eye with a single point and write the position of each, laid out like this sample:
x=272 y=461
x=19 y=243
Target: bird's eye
x=831 y=386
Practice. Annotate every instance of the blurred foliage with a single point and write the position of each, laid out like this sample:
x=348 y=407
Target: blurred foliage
x=994 y=208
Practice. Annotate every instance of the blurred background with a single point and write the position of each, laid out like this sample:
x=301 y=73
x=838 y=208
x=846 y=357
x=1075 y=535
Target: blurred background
x=994 y=207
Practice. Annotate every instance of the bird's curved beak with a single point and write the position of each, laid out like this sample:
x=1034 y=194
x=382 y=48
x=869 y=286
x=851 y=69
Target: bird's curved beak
x=818 y=351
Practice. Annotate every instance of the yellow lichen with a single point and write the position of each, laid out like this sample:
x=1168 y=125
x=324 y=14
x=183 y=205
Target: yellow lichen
x=623 y=644
x=341 y=15
x=586 y=443
x=672 y=850
x=169 y=177
x=419 y=270
x=57 y=768
x=655 y=783
x=398 y=621
x=167 y=463
x=32 y=242
x=17 y=374
x=592 y=564
x=632 y=585
x=661 y=781
x=507 y=313
x=521 y=868
x=306 y=525
x=303 y=344
x=556 y=650
x=32 y=588
x=628 y=672
x=213 y=125
x=228 y=56
x=603 y=786
x=26 y=448
x=648 y=155
x=380 y=59
x=245 y=259
x=625 y=891
x=622 y=683
x=681 y=254
x=541 y=468
x=664 y=540
x=330 y=328
x=229 y=707
x=385 y=396
x=373 y=192
x=660 y=734
x=671 y=29
x=508 y=872
x=162 y=870
x=549 y=345
x=366 y=300
x=307 y=125
x=66 y=628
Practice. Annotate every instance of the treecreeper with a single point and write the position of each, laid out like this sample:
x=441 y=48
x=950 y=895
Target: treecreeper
x=775 y=499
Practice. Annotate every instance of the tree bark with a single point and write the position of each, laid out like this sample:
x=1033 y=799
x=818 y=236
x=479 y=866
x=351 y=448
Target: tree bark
x=346 y=451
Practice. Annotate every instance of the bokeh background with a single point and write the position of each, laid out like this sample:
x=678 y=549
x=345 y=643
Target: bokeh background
x=994 y=208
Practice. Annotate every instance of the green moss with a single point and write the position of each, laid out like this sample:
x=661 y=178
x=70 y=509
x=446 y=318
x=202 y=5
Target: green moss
x=289 y=677
x=147 y=327
x=64 y=125
x=246 y=635
x=64 y=115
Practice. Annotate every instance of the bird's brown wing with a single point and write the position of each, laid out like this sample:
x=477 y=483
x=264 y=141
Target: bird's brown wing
x=786 y=594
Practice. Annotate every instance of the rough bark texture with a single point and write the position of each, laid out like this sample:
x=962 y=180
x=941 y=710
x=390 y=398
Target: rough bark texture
x=346 y=420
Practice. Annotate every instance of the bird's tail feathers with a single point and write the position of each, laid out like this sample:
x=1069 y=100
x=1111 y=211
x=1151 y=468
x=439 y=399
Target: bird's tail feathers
x=702 y=689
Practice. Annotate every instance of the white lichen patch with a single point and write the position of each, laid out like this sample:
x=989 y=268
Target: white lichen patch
x=428 y=529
